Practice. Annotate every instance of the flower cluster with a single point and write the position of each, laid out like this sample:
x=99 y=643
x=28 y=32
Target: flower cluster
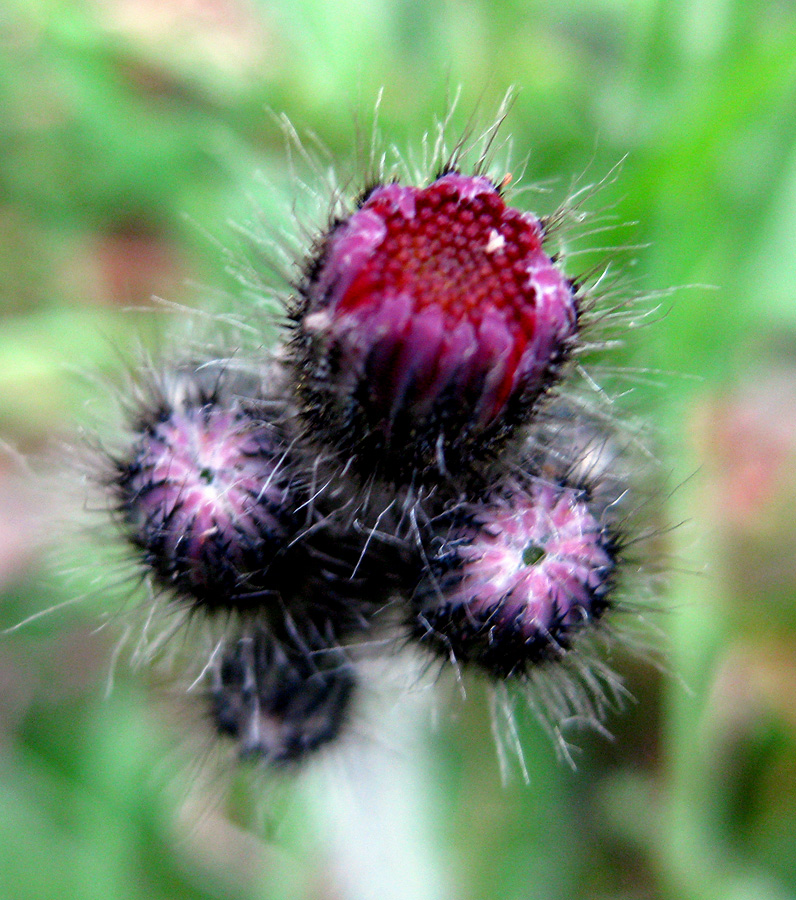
x=409 y=465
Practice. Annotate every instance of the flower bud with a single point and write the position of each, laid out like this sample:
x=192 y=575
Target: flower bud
x=432 y=320
x=516 y=576
x=280 y=699
x=207 y=495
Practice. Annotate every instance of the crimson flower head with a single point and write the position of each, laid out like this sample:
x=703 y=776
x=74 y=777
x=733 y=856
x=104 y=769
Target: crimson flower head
x=432 y=320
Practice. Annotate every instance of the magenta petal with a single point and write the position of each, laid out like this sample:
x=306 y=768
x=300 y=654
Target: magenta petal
x=399 y=198
x=382 y=339
x=419 y=354
x=454 y=365
x=466 y=187
x=495 y=341
x=350 y=250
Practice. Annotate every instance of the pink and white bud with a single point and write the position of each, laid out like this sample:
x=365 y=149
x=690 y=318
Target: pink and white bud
x=516 y=577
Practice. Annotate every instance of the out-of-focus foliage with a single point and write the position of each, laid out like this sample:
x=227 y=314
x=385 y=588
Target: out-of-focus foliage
x=130 y=135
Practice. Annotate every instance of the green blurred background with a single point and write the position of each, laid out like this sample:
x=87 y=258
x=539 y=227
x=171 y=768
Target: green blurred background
x=131 y=132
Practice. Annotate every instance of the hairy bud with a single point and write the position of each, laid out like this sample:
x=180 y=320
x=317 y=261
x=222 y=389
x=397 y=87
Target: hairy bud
x=207 y=494
x=280 y=699
x=516 y=576
x=432 y=319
